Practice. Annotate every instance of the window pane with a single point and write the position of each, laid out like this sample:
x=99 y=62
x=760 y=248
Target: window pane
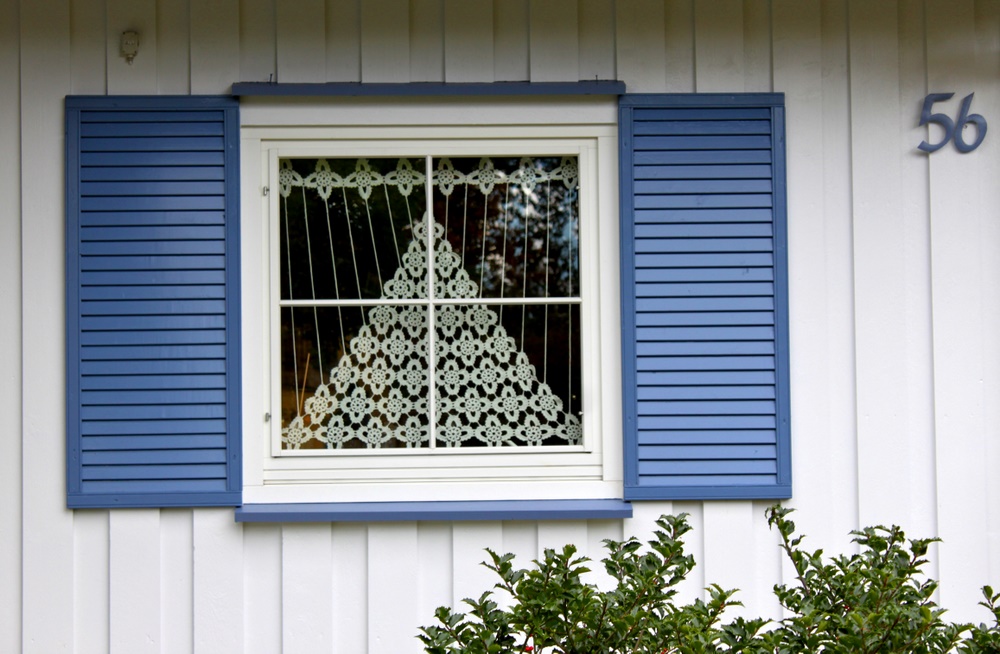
x=507 y=375
x=345 y=225
x=361 y=383
x=512 y=223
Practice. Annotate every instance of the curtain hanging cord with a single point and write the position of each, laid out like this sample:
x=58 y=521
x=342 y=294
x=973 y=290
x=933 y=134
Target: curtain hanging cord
x=312 y=287
x=392 y=227
x=503 y=256
x=569 y=310
x=291 y=310
x=548 y=231
x=336 y=284
x=354 y=255
x=524 y=270
x=371 y=231
x=465 y=222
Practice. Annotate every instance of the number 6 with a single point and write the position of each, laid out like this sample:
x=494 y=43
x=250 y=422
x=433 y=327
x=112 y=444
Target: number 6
x=965 y=118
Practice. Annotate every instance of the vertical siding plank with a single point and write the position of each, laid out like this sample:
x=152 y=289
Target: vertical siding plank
x=679 y=17
x=642 y=525
x=640 y=45
x=557 y=534
x=914 y=194
x=840 y=391
x=726 y=523
x=134 y=537
x=694 y=544
x=520 y=538
x=469 y=542
x=810 y=63
x=301 y=40
x=10 y=329
x=510 y=40
x=215 y=45
x=258 y=53
x=173 y=48
x=89 y=47
x=987 y=16
x=91 y=599
x=597 y=39
x=393 y=596
x=959 y=292
x=886 y=246
x=47 y=559
x=140 y=76
x=427 y=41
x=343 y=40
x=434 y=580
x=766 y=568
x=218 y=582
x=350 y=588
x=176 y=580
x=718 y=46
x=597 y=532
x=385 y=41
x=134 y=543
x=262 y=575
x=554 y=41
x=468 y=40
x=757 y=46
x=306 y=594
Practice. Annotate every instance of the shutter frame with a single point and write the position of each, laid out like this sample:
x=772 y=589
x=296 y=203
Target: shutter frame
x=117 y=456
x=684 y=465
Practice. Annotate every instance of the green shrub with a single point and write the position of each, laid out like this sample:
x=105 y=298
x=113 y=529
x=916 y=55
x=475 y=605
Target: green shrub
x=873 y=602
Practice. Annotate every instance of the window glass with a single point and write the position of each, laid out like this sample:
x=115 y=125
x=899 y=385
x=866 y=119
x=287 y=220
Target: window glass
x=362 y=262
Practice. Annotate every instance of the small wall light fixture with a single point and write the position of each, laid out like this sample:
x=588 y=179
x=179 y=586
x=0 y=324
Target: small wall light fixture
x=130 y=45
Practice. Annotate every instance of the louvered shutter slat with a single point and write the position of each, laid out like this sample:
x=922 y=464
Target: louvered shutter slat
x=153 y=354
x=704 y=297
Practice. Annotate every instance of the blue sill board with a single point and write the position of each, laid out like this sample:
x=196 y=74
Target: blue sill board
x=436 y=511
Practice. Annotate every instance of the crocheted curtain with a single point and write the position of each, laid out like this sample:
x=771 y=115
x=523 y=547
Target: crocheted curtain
x=362 y=265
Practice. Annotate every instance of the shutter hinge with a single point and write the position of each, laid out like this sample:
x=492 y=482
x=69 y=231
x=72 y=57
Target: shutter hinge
x=266 y=191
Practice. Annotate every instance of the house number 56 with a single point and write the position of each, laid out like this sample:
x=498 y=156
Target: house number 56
x=952 y=129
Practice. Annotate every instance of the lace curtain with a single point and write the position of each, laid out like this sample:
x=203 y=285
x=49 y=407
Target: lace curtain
x=358 y=252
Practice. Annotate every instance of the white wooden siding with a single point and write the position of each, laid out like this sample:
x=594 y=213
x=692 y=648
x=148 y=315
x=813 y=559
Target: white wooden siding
x=895 y=321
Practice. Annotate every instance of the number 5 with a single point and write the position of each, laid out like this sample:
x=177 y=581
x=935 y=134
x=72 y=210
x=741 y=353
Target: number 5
x=947 y=123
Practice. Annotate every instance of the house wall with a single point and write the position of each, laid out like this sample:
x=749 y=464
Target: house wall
x=894 y=260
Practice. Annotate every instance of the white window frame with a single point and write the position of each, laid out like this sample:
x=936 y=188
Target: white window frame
x=413 y=127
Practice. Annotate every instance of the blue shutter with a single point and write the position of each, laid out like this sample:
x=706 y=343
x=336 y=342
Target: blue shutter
x=704 y=295
x=152 y=295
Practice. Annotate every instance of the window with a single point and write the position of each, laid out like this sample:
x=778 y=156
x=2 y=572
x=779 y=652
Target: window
x=667 y=290
x=483 y=245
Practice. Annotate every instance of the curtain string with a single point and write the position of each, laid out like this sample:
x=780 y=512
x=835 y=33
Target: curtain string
x=312 y=287
x=291 y=310
x=392 y=227
x=354 y=255
x=336 y=284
